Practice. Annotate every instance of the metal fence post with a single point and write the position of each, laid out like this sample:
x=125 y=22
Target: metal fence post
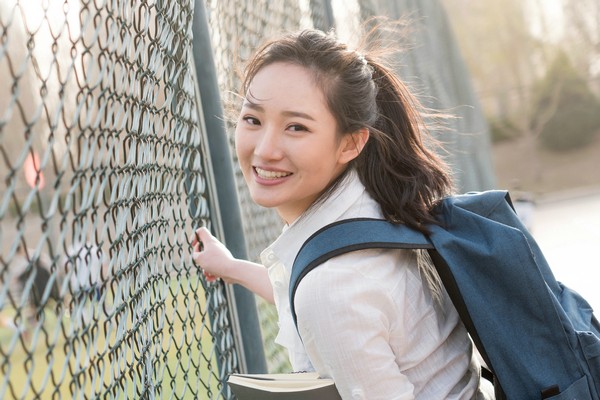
x=248 y=335
x=330 y=19
x=324 y=19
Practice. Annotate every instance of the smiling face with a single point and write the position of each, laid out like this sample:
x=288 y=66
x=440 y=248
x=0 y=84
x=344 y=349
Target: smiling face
x=287 y=142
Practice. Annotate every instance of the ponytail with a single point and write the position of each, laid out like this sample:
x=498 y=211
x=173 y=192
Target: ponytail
x=398 y=170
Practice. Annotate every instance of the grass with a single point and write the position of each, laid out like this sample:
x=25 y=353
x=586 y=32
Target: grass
x=171 y=342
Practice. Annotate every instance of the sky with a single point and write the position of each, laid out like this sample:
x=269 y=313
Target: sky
x=549 y=11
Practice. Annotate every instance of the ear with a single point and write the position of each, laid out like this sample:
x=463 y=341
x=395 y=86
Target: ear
x=352 y=144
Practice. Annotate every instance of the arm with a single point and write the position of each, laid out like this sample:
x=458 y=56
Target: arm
x=217 y=262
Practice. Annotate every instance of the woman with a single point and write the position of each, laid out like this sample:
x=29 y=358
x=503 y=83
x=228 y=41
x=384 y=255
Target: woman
x=324 y=134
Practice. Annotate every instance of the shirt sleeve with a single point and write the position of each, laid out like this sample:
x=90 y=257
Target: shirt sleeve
x=345 y=317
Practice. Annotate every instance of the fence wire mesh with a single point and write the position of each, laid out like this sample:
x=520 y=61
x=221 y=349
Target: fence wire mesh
x=103 y=180
x=105 y=175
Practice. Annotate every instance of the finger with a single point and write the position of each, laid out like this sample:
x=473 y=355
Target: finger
x=209 y=277
x=195 y=239
x=196 y=256
x=201 y=235
x=198 y=234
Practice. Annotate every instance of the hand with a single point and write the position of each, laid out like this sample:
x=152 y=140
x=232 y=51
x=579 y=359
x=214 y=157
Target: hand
x=212 y=256
x=217 y=262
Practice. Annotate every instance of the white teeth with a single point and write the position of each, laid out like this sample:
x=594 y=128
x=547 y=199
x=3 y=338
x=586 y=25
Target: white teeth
x=270 y=174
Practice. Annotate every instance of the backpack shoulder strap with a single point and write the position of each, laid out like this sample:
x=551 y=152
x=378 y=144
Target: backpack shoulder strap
x=350 y=235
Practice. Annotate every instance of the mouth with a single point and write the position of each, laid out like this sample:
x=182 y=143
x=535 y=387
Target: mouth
x=265 y=174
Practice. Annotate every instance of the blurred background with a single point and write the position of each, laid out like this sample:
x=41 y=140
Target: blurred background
x=535 y=66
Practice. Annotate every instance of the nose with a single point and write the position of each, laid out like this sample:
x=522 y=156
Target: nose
x=269 y=144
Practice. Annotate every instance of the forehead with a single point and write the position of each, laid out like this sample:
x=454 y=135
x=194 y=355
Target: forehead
x=286 y=83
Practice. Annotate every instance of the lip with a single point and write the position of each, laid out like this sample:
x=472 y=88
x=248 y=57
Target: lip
x=269 y=181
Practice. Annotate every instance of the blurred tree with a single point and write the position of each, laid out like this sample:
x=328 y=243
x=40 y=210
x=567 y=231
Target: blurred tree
x=502 y=129
x=582 y=36
x=509 y=47
x=505 y=59
x=499 y=49
x=565 y=109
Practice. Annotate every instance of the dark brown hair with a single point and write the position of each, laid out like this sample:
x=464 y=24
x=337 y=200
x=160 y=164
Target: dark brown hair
x=398 y=170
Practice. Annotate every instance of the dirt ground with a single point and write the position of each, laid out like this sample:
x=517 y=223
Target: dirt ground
x=521 y=166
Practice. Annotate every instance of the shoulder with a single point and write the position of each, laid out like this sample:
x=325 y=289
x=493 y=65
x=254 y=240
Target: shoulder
x=373 y=276
x=378 y=267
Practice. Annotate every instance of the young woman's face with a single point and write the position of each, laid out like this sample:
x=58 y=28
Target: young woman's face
x=286 y=140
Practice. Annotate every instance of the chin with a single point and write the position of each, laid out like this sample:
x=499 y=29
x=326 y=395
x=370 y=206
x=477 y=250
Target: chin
x=264 y=201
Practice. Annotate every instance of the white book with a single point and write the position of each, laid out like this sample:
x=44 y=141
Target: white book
x=292 y=386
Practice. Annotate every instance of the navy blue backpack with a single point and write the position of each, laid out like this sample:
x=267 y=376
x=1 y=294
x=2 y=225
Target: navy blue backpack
x=540 y=339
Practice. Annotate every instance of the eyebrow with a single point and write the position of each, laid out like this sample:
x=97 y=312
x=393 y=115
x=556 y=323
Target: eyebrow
x=287 y=113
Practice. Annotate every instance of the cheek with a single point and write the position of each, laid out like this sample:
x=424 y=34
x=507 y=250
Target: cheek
x=243 y=147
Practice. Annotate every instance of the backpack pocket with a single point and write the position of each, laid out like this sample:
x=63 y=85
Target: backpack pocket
x=590 y=346
x=579 y=390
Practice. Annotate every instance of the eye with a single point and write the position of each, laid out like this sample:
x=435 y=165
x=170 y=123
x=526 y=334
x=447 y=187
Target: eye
x=297 y=128
x=251 y=120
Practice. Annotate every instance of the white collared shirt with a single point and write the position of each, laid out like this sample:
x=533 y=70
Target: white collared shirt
x=366 y=318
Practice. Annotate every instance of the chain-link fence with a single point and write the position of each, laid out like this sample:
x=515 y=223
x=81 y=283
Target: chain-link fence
x=103 y=180
x=105 y=174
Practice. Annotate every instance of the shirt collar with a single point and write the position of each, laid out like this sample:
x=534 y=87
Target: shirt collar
x=330 y=210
